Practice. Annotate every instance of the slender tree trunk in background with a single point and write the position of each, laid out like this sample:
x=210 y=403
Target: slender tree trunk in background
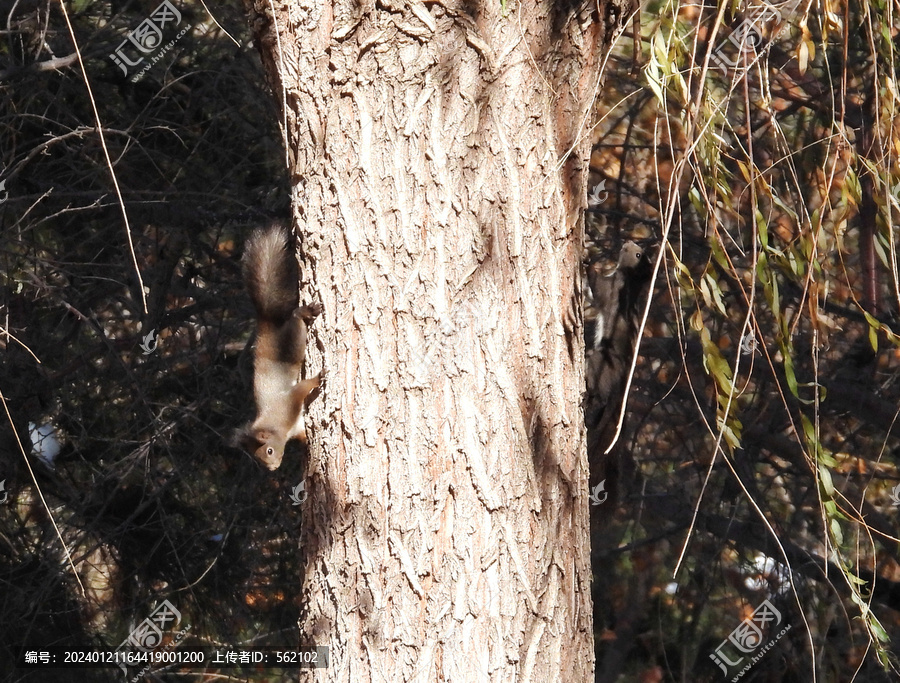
x=439 y=158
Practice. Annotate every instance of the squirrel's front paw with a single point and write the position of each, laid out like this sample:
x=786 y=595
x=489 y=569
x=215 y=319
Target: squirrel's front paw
x=309 y=312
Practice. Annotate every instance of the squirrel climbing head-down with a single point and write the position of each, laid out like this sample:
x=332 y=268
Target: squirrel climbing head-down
x=271 y=276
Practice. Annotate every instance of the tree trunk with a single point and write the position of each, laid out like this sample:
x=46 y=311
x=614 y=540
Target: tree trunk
x=439 y=155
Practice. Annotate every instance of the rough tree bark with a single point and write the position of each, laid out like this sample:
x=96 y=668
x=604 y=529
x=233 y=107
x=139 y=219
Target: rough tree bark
x=438 y=154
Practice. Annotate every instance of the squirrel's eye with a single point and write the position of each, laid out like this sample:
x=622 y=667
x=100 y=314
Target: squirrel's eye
x=270 y=451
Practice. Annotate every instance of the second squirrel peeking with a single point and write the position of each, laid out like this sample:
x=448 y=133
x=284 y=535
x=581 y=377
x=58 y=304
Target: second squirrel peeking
x=270 y=274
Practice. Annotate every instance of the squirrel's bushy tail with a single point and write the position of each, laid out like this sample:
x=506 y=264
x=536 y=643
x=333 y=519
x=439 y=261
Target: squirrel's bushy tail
x=270 y=272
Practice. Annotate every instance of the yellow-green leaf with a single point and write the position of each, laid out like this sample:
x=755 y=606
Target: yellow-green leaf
x=789 y=374
x=836 y=532
x=825 y=481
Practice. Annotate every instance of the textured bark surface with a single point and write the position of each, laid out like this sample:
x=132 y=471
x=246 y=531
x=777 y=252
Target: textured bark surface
x=438 y=154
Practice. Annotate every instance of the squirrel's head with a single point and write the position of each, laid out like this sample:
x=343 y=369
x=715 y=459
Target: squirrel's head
x=270 y=455
x=631 y=256
x=265 y=447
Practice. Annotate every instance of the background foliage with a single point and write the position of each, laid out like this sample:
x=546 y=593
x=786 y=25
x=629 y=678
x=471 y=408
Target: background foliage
x=757 y=146
x=146 y=492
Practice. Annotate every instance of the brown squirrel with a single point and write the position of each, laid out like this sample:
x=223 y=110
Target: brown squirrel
x=270 y=274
